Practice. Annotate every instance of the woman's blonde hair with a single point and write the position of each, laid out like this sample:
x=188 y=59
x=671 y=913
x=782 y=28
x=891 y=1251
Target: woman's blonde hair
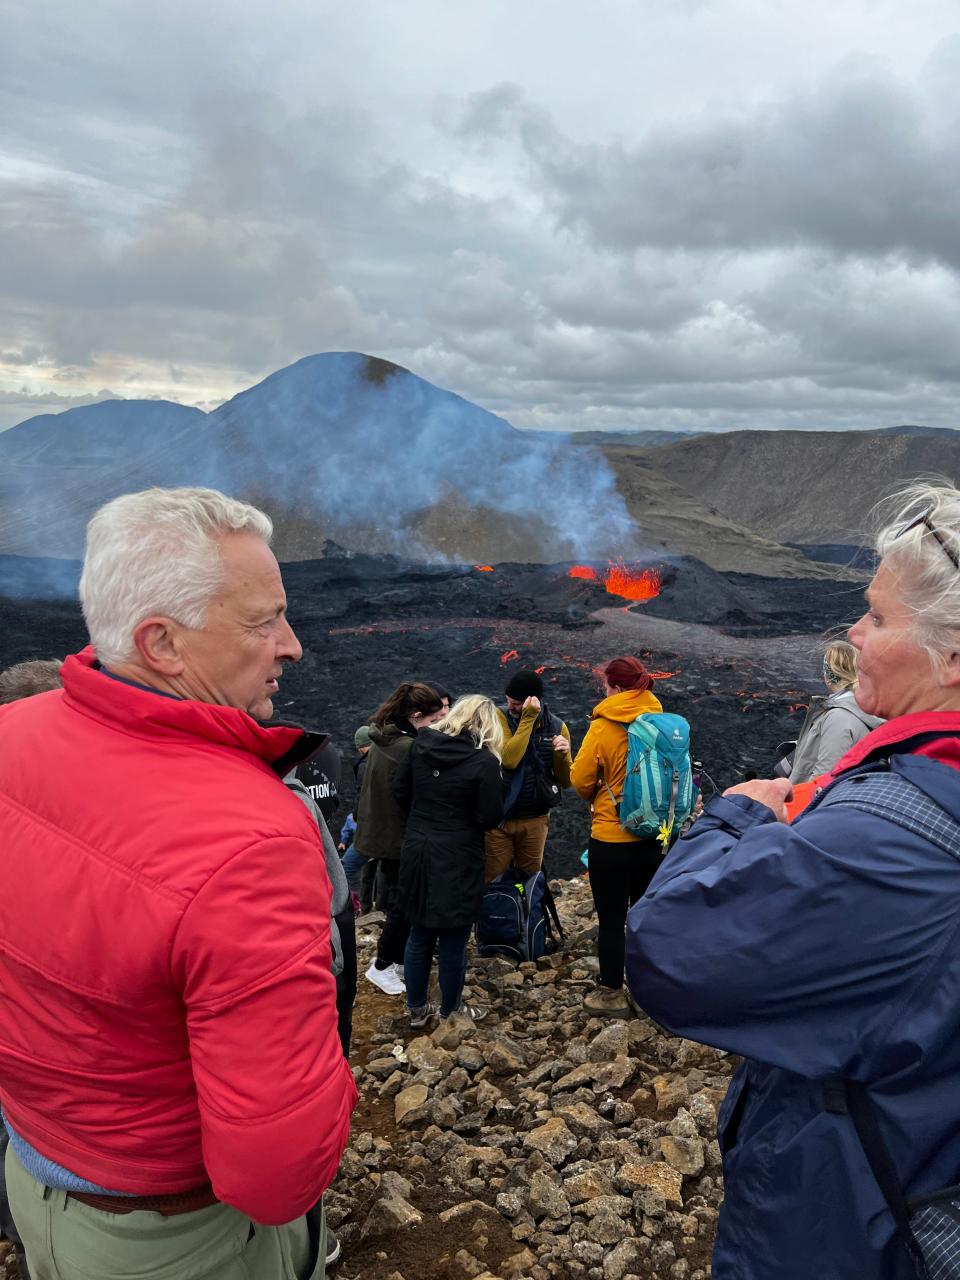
x=476 y=714
x=840 y=665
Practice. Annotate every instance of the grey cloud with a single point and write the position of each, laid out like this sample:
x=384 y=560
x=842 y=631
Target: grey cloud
x=857 y=165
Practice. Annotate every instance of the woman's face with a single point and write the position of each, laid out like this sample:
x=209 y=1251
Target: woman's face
x=420 y=721
x=895 y=676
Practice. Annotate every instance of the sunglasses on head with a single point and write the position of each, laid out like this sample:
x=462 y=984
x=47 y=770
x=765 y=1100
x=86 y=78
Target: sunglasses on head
x=924 y=519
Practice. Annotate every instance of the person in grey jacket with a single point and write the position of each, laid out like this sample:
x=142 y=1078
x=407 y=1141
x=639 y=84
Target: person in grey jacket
x=833 y=724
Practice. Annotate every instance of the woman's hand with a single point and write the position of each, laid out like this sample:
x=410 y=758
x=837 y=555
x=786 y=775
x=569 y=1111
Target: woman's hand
x=773 y=792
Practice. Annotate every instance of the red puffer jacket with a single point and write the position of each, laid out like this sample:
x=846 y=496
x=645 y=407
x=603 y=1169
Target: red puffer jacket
x=167 y=1011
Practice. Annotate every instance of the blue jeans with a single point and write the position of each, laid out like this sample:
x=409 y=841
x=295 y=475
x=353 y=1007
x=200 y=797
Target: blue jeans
x=353 y=864
x=451 y=948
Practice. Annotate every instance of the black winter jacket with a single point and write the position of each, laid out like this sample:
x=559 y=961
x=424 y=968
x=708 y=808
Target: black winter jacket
x=454 y=793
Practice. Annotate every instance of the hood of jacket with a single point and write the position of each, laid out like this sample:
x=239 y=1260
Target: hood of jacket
x=443 y=750
x=392 y=739
x=847 y=700
x=625 y=706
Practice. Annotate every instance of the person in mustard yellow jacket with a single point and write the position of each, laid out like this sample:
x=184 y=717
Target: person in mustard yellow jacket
x=621 y=865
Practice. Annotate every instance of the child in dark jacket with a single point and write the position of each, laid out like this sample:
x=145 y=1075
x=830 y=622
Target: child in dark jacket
x=451 y=784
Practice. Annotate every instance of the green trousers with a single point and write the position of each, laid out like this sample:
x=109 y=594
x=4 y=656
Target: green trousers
x=66 y=1240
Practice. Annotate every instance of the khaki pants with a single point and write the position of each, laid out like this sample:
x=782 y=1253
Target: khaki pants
x=518 y=842
x=66 y=1240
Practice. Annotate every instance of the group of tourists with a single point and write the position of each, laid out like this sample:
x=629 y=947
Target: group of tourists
x=176 y=924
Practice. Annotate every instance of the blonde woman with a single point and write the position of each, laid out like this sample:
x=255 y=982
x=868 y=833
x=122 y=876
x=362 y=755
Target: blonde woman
x=833 y=724
x=451 y=785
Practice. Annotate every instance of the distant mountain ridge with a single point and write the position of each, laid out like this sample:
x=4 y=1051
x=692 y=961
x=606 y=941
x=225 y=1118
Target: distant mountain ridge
x=356 y=449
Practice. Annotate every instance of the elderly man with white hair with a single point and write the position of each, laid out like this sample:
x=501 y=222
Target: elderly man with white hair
x=170 y=1073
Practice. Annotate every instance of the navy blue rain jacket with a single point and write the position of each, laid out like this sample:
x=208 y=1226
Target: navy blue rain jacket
x=826 y=948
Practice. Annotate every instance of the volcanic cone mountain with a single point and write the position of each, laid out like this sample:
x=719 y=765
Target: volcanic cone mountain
x=346 y=447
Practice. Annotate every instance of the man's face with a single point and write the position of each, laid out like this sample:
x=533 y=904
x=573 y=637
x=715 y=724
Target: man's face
x=235 y=659
x=514 y=705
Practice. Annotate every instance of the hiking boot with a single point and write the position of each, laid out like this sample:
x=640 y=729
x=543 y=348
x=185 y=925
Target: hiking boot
x=607 y=1002
x=475 y=1012
x=420 y=1017
x=388 y=980
x=333 y=1248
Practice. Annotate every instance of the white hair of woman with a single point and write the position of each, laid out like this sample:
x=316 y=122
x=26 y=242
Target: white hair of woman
x=478 y=715
x=919 y=540
x=157 y=552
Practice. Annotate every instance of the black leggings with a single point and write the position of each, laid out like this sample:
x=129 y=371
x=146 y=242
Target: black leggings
x=619 y=875
x=396 y=927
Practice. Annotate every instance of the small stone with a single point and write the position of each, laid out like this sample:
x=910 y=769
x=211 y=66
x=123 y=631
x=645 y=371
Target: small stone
x=620 y=1205
x=470 y=1265
x=545 y=1199
x=581 y=1119
x=683 y=1154
x=607 y=1228
x=509 y=1204
x=517 y=1264
x=611 y=1042
x=503 y=1056
x=409 y=1106
x=553 y=1140
x=469 y=1057
x=393 y=1186
x=390 y=1215
x=671 y=1092
x=658 y=1175
x=620 y=1260
x=586 y=1186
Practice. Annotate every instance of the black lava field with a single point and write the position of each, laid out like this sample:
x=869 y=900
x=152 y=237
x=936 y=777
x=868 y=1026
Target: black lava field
x=737 y=655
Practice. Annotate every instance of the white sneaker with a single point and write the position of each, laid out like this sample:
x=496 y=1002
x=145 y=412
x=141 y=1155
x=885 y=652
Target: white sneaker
x=387 y=980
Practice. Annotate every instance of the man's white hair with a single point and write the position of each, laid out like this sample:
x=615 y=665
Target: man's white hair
x=156 y=552
x=919 y=538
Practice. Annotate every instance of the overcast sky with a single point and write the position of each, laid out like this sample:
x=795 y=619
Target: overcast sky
x=609 y=215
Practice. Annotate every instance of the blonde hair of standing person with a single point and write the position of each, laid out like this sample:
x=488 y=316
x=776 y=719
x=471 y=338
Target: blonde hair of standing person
x=476 y=714
x=840 y=666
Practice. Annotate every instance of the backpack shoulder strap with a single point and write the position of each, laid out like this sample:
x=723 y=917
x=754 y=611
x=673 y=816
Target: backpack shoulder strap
x=894 y=797
x=550 y=911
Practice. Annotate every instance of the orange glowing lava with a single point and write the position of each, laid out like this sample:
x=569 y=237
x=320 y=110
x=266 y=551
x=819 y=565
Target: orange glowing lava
x=540 y=670
x=510 y=655
x=622 y=580
x=484 y=568
x=632 y=584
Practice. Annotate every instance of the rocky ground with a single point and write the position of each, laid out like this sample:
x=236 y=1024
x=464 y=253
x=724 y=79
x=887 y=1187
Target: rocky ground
x=541 y=1142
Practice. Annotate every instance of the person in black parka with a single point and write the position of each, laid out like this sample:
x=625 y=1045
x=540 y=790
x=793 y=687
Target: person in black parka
x=451 y=784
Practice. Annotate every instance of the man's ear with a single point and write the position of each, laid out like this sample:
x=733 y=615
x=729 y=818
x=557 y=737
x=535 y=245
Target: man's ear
x=949 y=677
x=158 y=643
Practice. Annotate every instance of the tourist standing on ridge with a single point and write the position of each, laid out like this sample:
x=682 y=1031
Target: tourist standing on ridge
x=360 y=871
x=833 y=724
x=172 y=1082
x=451 y=785
x=536 y=766
x=381 y=821
x=826 y=952
x=620 y=864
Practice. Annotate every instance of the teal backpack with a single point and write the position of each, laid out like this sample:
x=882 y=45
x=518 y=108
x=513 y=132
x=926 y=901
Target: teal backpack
x=658 y=792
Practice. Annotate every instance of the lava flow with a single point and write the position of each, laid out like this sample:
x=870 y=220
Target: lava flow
x=621 y=580
x=484 y=568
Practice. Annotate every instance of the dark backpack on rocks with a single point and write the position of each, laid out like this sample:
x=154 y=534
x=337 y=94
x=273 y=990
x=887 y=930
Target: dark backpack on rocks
x=518 y=918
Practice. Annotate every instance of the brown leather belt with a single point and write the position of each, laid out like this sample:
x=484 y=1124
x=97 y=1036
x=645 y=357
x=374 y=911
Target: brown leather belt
x=169 y=1206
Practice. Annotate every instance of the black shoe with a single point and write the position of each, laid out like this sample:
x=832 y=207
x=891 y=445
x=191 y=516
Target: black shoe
x=333 y=1248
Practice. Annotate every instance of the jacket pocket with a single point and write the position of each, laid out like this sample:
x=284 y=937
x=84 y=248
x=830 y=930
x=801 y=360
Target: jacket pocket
x=730 y=1116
